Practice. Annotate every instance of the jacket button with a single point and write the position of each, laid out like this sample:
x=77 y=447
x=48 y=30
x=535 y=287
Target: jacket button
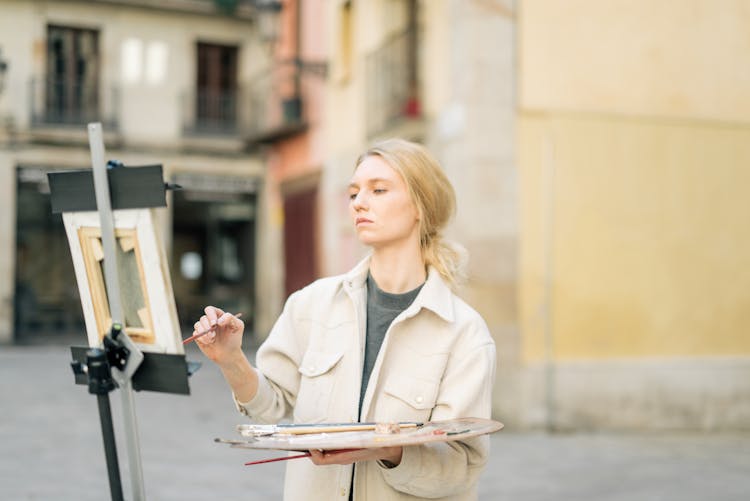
x=311 y=368
x=419 y=400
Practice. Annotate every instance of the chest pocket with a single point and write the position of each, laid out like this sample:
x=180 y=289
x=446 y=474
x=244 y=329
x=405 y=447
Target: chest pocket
x=411 y=398
x=317 y=386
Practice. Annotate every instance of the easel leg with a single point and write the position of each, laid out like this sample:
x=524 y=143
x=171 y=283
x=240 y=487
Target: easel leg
x=131 y=438
x=110 y=447
x=100 y=384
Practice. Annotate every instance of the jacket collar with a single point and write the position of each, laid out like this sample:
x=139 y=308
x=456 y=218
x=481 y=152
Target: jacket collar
x=435 y=296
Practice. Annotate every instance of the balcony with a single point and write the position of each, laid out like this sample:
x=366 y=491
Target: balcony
x=392 y=84
x=70 y=104
x=213 y=112
x=276 y=104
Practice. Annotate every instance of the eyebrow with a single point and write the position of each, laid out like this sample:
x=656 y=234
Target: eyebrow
x=370 y=181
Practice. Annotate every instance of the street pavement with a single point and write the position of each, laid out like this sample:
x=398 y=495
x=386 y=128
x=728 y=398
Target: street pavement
x=51 y=448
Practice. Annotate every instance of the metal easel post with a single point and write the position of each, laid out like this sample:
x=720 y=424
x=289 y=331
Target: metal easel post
x=135 y=357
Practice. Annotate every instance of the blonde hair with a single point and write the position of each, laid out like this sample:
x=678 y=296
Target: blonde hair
x=434 y=197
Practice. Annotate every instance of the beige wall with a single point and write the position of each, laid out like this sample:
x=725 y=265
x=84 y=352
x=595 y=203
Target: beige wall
x=644 y=228
x=684 y=59
x=634 y=141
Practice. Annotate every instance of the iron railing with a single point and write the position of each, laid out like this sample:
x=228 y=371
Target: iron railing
x=392 y=82
x=56 y=102
x=213 y=112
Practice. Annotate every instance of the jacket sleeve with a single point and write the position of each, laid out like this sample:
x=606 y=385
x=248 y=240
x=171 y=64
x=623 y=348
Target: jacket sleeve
x=277 y=363
x=446 y=468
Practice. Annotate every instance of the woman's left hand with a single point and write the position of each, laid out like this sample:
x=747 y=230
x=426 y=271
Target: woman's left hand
x=390 y=454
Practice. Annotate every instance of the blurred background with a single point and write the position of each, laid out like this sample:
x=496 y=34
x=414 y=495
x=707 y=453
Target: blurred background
x=600 y=151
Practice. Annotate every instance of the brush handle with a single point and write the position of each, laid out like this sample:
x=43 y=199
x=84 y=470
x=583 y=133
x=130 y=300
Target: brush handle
x=284 y=458
x=305 y=429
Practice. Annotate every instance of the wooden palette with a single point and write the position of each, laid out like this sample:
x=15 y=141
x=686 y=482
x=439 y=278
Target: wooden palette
x=331 y=439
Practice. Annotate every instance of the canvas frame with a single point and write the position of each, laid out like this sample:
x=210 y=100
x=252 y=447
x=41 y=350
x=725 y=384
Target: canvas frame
x=145 y=285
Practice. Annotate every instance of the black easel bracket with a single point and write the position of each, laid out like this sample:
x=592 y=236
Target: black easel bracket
x=160 y=372
x=130 y=188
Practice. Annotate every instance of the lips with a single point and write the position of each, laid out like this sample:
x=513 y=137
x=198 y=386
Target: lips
x=362 y=220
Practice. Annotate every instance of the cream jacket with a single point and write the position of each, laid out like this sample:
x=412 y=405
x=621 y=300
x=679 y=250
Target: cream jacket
x=437 y=362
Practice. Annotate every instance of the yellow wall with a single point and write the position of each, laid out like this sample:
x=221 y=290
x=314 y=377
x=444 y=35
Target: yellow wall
x=634 y=147
x=645 y=229
x=654 y=58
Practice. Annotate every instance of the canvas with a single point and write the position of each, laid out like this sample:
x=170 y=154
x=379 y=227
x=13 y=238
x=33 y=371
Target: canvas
x=150 y=315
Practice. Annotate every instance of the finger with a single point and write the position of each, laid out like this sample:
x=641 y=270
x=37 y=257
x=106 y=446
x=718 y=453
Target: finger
x=200 y=328
x=349 y=457
x=213 y=313
x=316 y=457
x=205 y=323
x=207 y=339
x=343 y=457
x=231 y=321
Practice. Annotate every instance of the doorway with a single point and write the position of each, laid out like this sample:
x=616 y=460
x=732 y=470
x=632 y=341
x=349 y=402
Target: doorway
x=213 y=248
x=300 y=230
x=46 y=300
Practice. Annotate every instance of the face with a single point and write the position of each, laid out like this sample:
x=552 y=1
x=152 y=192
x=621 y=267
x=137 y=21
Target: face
x=380 y=206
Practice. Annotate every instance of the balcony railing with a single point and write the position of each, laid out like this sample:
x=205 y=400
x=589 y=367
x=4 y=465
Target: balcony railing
x=70 y=103
x=213 y=112
x=392 y=83
x=276 y=104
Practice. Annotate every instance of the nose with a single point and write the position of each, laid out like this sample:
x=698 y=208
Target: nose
x=359 y=201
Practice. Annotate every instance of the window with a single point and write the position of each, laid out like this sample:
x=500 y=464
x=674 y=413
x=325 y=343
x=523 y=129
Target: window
x=72 y=81
x=216 y=88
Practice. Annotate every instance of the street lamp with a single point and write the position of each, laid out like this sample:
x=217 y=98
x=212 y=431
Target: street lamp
x=269 y=21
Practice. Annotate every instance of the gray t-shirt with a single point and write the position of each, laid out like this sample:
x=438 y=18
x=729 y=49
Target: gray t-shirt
x=382 y=309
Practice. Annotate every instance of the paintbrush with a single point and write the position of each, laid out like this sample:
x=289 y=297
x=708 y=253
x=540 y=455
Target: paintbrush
x=284 y=458
x=203 y=333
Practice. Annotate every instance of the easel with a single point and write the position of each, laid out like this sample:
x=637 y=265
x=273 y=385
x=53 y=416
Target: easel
x=118 y=362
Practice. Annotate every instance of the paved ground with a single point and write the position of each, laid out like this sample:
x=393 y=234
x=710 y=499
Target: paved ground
x=51 y=449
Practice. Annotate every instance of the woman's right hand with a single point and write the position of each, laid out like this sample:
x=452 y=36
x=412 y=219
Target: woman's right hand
x=223 y=343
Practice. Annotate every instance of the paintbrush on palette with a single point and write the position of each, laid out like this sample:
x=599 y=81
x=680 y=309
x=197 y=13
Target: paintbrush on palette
x=284 y=458
x=203 y=333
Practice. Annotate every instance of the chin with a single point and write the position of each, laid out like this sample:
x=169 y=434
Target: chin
x=370 y=242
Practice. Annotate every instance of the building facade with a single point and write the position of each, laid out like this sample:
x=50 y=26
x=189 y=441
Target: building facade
x=439 y=72
x=598 y=152
x=633 y=146
x=170 y=83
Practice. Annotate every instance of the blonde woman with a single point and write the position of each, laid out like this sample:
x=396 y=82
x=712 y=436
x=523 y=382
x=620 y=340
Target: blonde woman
x=387 y=341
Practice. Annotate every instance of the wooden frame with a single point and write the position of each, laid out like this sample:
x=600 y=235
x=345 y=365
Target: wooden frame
x=145 y=286
x=138 y=324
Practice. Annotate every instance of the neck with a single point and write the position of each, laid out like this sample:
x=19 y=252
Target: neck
x=398 y=270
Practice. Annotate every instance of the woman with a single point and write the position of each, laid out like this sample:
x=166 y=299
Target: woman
x=388 y=341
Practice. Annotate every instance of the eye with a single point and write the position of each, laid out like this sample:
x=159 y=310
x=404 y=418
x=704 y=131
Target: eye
x=379 y=190
x=352 y=196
